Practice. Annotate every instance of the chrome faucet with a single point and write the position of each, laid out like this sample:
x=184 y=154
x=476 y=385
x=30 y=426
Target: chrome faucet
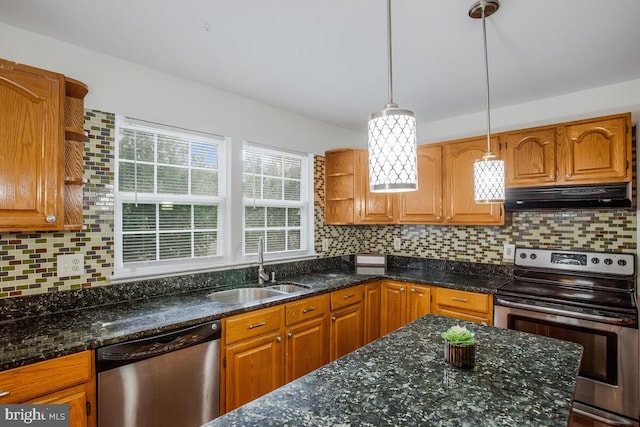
x=263 y=276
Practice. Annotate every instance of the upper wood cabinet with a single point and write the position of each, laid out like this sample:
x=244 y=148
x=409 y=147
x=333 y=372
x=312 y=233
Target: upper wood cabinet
x=371 y=208
x=339 y=186
x=425 y=204
x=39 y=111
x=460 y=206
x=590 y=151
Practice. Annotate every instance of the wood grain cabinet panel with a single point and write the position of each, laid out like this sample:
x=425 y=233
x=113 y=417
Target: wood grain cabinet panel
x=530 y=156
x=401 y=303
x=372 y=296
x=464 y=305
x=371 y=208
x=425 y=204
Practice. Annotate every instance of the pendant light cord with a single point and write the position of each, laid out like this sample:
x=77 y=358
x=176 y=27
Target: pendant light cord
x=486 y=69
x=389 y=67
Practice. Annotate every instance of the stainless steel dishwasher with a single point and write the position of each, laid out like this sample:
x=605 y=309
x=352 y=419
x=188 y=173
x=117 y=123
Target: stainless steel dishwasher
x=167 y=380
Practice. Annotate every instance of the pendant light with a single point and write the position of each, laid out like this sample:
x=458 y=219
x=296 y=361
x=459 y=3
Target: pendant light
x=392 y=141
x=488 y=172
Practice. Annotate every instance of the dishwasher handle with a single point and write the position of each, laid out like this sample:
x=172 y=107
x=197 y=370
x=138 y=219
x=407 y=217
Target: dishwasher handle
x=128 y=352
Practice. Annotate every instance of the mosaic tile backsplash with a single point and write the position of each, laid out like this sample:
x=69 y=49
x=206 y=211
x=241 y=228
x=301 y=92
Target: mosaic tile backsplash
x=28 y=260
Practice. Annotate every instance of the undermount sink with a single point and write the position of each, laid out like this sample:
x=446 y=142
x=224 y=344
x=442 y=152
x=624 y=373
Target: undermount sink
x=243 y=295
x=289 y=287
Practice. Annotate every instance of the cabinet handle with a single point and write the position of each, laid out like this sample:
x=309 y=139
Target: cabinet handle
x=390 y=217
x=349 y=296
x=307 y=310
x=413 y=291
x=401 y=289
x=278 y=339
x=568 y=176
x=448 y=218
x=50 y=218
x=459 y=299
x=257 y=325
x=290 y=334
x=333 y=318
x=5 y=393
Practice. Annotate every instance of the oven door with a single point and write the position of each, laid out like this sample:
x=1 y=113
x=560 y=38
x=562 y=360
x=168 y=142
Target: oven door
x=608 y=377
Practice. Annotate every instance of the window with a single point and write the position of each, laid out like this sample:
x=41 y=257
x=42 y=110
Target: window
x=169 y=198
x=277 y=201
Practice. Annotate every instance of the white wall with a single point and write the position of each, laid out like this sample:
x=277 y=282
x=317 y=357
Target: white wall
x=122 y=87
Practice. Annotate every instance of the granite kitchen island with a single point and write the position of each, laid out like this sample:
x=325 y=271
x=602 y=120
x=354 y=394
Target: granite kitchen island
x=402 y=380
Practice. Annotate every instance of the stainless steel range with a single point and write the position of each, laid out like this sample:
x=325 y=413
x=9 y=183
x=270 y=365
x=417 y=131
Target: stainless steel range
x=588 y=298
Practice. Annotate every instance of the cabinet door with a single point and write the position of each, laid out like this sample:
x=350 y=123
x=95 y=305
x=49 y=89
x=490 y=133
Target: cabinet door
x=252 y=368
x=425 y=204
x=346 y=330
x=77 y=399
x=597 y=151
x=371 y=311
x=371 y=208
x=529 y=157
x=461 y=207
x=393 y=305
x=307 y=347
x=419 y=302
x=31 y=158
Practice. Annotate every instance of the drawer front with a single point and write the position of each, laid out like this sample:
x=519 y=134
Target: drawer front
x=243 y=326
x=345 y=297
x=28 y=382
x=462 y=299
x=307 y=308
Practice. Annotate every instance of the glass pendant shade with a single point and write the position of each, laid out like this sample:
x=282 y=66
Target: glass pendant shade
x=488 y=179
x=392 y=151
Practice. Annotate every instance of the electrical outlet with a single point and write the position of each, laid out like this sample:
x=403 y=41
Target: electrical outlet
x=70 y=265
x=397 y=243
x=325 y=245
x=508 y=251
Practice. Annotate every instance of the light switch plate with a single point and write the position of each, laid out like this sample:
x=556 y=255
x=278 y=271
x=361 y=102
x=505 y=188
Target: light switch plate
x=325 y=245
x=508 y=252
x=70 y=265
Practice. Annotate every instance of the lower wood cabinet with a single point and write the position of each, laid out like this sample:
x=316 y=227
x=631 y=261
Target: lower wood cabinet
x=346 y=333
x=401 y=303
x=307 y=336
x=252 y=356
x=464 y=305
x=371 y=311
x=64 y=380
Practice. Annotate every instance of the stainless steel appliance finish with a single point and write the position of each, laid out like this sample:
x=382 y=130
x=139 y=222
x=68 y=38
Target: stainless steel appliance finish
x=588 y=298
x=167 y=380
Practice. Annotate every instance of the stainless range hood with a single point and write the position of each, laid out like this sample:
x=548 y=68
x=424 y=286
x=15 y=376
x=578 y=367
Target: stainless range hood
x=569 y=197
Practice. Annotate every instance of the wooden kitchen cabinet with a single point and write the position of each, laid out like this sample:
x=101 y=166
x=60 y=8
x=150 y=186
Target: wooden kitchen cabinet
x=460 y=207
x=371 y=208
x=339 y=186
x=371 y=311
x=424 y=205
x=41 y=113
x=593 y=151
x=252 y=356
x=346 y=333
x=464 y=305
x=401 y=303
x=64 y=380
x=307 y=332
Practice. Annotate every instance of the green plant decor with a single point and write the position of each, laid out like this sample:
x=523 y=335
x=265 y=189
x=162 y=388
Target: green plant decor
x=459 y=335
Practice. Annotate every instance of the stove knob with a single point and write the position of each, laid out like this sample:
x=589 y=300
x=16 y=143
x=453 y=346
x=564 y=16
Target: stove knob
x=534 y=256
x=523 y=255
x=608 y=261
x=595 y=260
x=622 y=262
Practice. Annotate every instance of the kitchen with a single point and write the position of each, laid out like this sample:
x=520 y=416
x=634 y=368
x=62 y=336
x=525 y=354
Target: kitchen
x=135 y=94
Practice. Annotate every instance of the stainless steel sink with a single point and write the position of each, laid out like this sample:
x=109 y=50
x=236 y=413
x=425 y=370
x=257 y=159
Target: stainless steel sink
x=289 y=287
x=244 y=295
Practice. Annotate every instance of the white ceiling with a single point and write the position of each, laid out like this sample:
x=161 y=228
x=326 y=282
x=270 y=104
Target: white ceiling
x=326 y=59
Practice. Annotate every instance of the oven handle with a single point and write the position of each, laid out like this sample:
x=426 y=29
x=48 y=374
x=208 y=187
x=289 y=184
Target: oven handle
x=549 y=310
x=617 y=422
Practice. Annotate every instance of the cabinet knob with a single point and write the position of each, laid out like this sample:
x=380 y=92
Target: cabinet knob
x=50 y=218
x=448 y=218
x=438 y=218
x=290 y=334
x=413 y=291
x=401 y=289
x=568 y=176
x=552 y=177
x=333 y=318
x=390 y=217
x=278 y=339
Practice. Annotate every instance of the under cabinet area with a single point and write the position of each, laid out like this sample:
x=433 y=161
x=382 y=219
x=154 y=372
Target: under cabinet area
x=41 y=163
x=64 y=380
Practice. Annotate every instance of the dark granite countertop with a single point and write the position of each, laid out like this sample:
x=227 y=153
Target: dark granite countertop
x=401 y=379
x=43 y=337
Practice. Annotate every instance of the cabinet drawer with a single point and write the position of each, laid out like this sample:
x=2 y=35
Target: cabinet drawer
x=38 y=379
x=345 y=297
x=252 y=324
x=462 y=299
x=307 y=308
